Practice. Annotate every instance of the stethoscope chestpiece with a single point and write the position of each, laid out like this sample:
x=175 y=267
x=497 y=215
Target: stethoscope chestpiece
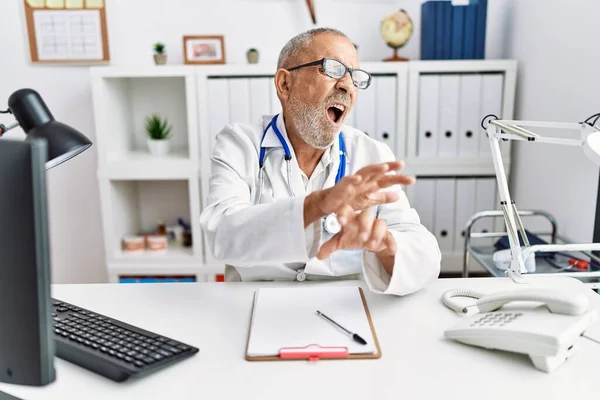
x=301 y=276
x=331 y=224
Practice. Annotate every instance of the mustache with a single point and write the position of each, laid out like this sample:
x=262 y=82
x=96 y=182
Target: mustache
x=338 y=98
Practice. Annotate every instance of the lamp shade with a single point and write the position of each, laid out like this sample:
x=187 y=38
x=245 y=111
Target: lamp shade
x=591 y=147
x=37 y=122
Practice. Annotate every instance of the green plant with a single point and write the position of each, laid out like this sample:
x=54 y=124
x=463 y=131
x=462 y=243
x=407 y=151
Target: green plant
x=157 y=128
x=159 y=48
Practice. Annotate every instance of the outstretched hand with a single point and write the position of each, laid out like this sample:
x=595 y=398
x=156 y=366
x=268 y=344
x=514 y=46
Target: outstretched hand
x=362 y=190
x=361 y=231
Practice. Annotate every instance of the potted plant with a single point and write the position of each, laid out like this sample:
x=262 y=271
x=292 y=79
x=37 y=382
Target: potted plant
x=252 y=55
x=158 y=131
x=160 y=55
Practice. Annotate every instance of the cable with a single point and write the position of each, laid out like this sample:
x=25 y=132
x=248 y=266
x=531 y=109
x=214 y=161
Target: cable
x=589 y=338
x=453 y=305
x=7 y=111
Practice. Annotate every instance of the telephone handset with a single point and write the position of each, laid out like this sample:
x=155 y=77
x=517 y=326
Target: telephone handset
x=549 y=334
x=559 y=302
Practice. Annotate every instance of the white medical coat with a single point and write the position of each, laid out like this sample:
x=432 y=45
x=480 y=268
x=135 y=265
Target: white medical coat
x=268 y=241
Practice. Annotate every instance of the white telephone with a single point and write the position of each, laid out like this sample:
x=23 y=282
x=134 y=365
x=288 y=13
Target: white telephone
x=549 y=334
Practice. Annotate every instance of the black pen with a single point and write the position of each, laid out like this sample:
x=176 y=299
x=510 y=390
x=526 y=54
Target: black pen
x=354 y=336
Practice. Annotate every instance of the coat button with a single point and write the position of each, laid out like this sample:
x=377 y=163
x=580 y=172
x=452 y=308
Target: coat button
x=300 y=276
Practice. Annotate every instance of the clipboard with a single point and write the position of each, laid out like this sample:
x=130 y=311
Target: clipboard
x=346 y=305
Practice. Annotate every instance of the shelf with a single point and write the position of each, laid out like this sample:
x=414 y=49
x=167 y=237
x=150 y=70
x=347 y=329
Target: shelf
x=126 y=102
x=136 y=206
x=175 y=254
x=140 y=164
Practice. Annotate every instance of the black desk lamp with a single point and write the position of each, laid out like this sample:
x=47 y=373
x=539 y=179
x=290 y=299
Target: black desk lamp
x=33 y=116
x=26 y=338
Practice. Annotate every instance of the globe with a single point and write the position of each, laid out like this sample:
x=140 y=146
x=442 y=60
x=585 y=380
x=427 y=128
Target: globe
x=396 y=30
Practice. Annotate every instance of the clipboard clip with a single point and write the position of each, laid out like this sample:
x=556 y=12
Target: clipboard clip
x=313 y=352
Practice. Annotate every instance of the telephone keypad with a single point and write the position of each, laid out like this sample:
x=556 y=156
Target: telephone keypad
x=496 y=319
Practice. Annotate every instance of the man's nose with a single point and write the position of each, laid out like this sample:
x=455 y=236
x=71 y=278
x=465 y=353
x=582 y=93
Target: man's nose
x=345 y=84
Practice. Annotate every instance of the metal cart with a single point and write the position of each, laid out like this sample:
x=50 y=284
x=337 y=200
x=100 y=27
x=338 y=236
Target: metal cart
x=480 y=246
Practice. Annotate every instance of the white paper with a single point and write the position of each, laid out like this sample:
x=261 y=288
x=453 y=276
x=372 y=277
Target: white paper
x=287 y=317
x=74 y=4
x=36 y=3
x=68 y=35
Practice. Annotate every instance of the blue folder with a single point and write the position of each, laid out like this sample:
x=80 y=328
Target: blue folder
x=469 y=32
x=458 y=28
x=428 y=30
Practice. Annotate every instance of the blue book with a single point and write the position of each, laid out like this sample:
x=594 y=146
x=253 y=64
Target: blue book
x=428 y=30
x=480 y=29
x=458 y=29
x=447 y=30
x=440 y=27
x=469 y=32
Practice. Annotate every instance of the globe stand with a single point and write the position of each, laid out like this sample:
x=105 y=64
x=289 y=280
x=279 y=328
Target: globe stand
x=396 y=57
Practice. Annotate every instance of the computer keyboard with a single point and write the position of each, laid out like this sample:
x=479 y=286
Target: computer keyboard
x=111 y=347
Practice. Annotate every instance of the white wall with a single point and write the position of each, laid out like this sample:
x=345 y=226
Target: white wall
x=556 y=43
x=134 y=25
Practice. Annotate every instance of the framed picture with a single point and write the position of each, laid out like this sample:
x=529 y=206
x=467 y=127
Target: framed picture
x=203 y=50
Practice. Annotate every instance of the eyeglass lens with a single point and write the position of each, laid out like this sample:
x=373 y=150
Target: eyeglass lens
x=337 y=70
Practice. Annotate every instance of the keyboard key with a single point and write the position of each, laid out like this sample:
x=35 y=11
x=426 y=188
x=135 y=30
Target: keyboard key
x=165 y=353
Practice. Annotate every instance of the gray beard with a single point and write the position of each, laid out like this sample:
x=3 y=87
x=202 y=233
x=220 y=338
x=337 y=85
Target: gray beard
x=312 y=125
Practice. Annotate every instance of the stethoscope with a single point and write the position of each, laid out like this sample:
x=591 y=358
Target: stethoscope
x=330 y=223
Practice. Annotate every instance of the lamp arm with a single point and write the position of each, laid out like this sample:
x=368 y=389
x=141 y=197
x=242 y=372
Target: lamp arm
x=6 y=128
x=514 y=130
x=511 y=216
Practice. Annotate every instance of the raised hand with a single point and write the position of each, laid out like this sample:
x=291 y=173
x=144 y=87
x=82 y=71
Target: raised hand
x=363 y=189
x=361 y=231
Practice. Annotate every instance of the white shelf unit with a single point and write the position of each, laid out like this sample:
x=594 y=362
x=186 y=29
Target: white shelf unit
x=201 y=100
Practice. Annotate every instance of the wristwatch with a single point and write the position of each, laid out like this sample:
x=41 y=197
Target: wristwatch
x=331 y=224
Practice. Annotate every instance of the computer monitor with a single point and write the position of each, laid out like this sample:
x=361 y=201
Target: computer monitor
x=27 y=345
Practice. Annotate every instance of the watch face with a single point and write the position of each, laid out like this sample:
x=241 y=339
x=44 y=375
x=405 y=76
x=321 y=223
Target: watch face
x=331 y=224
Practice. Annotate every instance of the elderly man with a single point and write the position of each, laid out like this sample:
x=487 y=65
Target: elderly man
x=301 y=196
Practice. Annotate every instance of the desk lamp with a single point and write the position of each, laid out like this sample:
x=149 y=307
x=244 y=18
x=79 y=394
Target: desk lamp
x=33 y=116
x=517 y=130
x=26 y=339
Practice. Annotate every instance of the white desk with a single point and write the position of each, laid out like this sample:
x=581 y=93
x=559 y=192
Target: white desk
x=417 y=362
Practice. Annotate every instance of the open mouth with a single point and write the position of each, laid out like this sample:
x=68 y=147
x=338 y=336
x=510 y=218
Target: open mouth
x=335 y=112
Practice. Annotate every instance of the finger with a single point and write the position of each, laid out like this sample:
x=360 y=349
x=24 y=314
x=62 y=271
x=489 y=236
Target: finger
x=345 y=214
x=378 y=232
x=388 y=170
x=391 y=180
x=329 y=247
x=373 y=170
x=365 y=223
x=384 y=197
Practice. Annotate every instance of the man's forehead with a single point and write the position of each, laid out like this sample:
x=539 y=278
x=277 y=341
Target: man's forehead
x=331 y=46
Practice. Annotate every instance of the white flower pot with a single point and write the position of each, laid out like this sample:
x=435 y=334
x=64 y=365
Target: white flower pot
x=158 y=147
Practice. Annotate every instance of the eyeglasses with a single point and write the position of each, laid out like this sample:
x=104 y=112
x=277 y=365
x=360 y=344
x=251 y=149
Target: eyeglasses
x=336 y=70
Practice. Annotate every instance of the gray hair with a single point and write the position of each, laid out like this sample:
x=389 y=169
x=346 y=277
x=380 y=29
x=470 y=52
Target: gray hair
x=301 y=41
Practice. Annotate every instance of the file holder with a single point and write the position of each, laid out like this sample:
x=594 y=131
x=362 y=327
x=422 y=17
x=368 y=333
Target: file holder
x=314 y=351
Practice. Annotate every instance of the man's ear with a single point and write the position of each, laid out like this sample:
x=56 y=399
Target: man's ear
x=283 y=84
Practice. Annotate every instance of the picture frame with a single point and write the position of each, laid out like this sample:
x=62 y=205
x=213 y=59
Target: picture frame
x=204 y=49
